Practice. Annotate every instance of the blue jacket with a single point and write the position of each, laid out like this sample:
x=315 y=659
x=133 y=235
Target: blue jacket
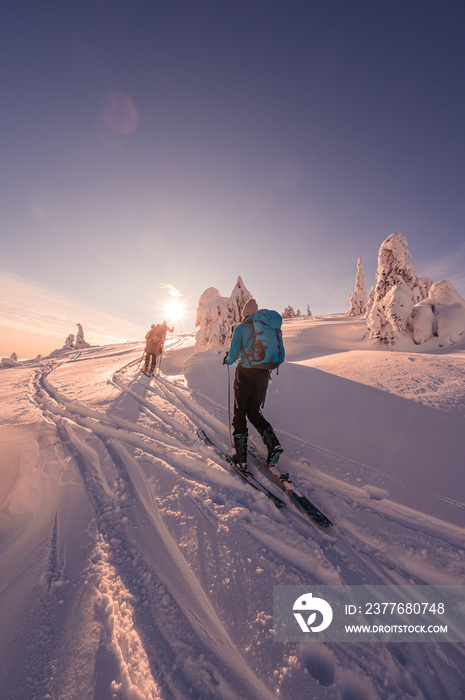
x=242 y=344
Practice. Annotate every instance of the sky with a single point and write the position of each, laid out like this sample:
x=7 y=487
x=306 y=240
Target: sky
x=152 y=149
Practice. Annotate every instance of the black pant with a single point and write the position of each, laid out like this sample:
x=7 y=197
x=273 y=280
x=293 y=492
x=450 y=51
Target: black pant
x=150 y=358
x=250 y=386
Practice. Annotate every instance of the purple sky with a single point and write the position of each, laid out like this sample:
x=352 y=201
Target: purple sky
x=146 y=144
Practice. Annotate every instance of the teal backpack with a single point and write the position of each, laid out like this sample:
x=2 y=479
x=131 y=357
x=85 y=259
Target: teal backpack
x=268 y=340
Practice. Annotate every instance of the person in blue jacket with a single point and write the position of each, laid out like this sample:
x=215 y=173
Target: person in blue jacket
x=250 y=387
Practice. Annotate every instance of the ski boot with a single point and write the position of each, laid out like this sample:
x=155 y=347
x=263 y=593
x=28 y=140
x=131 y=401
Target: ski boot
x=274 y=448
x=240 y=445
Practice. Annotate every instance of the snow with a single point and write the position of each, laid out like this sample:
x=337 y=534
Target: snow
x=402 y=304
x=441 y=314
x=134 y=565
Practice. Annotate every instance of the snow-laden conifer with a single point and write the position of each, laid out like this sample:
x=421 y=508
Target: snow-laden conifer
x=441 y=314
x=69 y=342
x=213 y=320
x=80 y=342
x=9 y=361
x=239 y=296
x=218 y=316
x=288 y=312
x=398 y=288
x=358 y=300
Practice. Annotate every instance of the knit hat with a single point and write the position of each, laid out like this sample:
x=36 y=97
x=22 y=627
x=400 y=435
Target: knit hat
x=250 y=307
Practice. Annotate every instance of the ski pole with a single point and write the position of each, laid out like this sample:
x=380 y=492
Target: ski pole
x=143 y=355
x=229 y=414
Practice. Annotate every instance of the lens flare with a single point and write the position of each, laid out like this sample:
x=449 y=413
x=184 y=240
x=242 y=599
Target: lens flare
x=174 y=311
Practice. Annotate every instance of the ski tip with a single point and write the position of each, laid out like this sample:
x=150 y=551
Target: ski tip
x=324 y=522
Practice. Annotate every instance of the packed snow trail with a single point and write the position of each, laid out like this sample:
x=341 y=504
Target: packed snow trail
x=150 y=567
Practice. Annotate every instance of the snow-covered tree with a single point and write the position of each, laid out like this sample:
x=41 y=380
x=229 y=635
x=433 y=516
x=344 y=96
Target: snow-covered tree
x=69 y=342
x=441 y=314
x=8 y=362
x=397 y=290
x=298 y=313
x=239 y=295
x=288 y=312
x=309 y=313
x=80 y=341
x=358 y=300
x=401 y=303
x=213 y=319
x=14 y=356
x=370 y=300
x=218 y=316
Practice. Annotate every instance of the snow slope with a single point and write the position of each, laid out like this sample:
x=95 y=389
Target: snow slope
x=133 y=565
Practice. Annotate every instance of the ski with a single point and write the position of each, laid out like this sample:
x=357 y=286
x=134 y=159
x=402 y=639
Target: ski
x=295 y=494
x=245 y=475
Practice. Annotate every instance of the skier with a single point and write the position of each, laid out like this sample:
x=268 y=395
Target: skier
x=163 y=331
x=155 y=341
x=151 y=348
x=250 y=387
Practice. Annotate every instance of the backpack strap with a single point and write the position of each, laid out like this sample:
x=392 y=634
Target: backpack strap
x=248 y=356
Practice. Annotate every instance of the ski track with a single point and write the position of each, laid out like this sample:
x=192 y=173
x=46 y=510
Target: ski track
x=182 y=637
x=166 y=567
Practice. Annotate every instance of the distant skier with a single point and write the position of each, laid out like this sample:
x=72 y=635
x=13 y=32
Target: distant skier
x=251 y=382
x=163 y=331
x=155 y=341
x=151 y=348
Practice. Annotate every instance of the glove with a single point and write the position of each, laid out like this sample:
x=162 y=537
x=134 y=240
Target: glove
x=225 y=357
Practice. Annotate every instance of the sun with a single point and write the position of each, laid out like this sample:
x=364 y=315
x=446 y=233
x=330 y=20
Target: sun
x=174 y=311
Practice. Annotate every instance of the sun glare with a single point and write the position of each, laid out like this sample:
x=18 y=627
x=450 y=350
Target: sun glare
x=174 y=311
